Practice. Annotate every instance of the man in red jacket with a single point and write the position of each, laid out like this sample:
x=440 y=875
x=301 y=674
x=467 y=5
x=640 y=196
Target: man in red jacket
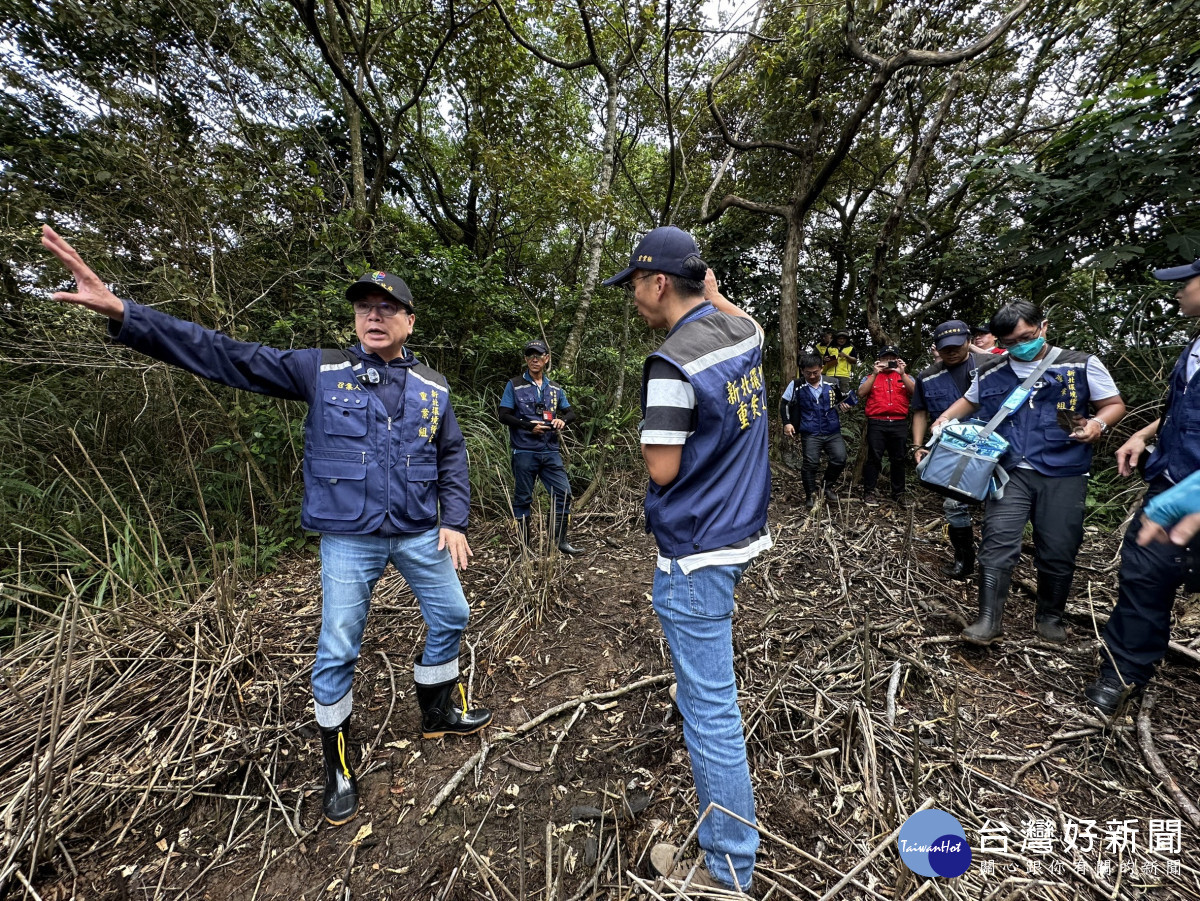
x=887 y=391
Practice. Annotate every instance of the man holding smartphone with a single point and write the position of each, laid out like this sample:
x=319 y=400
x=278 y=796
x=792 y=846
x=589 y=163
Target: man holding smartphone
x=536 y=410
x=887 y=390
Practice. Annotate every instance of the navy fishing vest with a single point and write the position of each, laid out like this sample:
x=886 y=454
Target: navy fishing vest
x=360 y=463
x=1033 y=432
x=1177 y=451
x=815 y=416
x=530 y=404
x=720 y=495
x=938 y=388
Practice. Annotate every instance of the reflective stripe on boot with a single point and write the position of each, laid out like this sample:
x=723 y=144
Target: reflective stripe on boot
x=340 y=801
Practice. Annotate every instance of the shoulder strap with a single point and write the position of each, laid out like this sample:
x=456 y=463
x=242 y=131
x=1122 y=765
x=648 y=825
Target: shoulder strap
x=1017 y=396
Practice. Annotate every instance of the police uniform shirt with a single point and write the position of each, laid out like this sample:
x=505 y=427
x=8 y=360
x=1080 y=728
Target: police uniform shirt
x=1100 y=383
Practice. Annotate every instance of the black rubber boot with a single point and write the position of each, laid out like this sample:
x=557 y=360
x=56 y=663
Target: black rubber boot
x=444 y=711
x=340 y=804
x=993 y=592
x=833 y=475
x=809 y=480
x=1052 y=594
x=560 y=536
x=523 y=531
x=962 y=539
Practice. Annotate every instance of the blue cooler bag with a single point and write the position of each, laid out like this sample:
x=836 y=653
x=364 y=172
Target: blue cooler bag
x=964 y=463
x=964 y=458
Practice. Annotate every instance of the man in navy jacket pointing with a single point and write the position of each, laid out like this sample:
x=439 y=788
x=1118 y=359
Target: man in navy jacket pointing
x=382 y=453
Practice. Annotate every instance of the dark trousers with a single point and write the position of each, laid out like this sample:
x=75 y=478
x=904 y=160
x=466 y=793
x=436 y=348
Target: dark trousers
x=1140 y=626
x=1054 y=505
x=888 y=436
x=528 y=467
x=834 y=448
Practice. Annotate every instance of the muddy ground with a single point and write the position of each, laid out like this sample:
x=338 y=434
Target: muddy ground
x=859 y=705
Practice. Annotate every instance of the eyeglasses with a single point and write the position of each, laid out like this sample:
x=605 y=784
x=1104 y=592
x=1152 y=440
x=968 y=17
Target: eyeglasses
x=385 y=308
x=536 y=355
x=1014 y=340
x=628 y=287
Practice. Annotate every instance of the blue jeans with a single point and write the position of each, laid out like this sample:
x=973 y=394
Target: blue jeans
x=696 y=613
x=350 y=567
x=528 y=467
x=957 y=513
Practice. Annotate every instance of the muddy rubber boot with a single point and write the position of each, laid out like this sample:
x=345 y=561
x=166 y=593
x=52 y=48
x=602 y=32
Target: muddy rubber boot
x=962 y=539
x=444 y=711
x=1052 y=594
x=560 y=537
x=993 y=592
x=340 y=803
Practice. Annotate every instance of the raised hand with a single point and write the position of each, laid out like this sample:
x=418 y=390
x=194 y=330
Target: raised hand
x=90 y=291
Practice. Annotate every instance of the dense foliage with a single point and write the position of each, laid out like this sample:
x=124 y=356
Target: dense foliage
x=878 y=166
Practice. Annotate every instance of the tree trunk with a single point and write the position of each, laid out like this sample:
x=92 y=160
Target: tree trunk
x=595 y=247
x=789 y=337
x=358 y=179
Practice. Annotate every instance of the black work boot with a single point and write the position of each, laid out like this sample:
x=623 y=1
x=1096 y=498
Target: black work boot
x=1052 y=594
x=993 y=592
x=523 y=531
x=1108 y=692
x=340 y=803
x=560 y=536
x=962 y=539
x=444 y=711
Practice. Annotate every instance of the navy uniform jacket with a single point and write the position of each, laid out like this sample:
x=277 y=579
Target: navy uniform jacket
x=378 y=458
x=724 y=484
x=812 y=415
x=1176 y=454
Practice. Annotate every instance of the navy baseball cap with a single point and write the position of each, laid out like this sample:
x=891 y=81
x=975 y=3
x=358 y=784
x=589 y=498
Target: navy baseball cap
x=984 y=329
x=887 y=351
x=667 y=249
x=536 y=346
x=1178 y=273
x=381 y=281
x=953 y=332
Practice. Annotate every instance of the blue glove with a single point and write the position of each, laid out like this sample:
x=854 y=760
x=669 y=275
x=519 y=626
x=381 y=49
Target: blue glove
x=1175 y=503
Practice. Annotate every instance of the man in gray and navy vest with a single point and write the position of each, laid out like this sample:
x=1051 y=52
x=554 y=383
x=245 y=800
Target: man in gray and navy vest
x=1152 y=573
x=536 y=410
x=704 y=440
x=938 y=387
x=382 y=454
x=1050 y=438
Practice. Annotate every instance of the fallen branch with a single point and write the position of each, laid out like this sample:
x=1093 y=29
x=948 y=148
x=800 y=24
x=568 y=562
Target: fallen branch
x=1146 y=740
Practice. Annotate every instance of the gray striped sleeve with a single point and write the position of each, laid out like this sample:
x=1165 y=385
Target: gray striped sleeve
x=670 y=406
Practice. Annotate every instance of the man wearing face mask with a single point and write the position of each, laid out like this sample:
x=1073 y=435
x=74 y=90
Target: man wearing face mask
x=939 y=386
x=1050 y=436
